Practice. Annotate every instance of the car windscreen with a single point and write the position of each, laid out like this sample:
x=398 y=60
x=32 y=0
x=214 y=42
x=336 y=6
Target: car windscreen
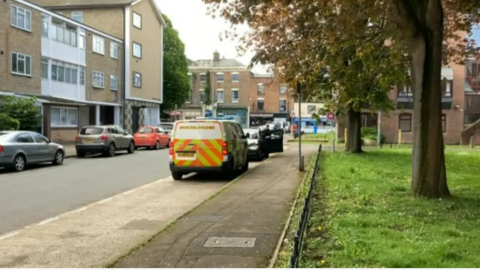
x=91 y=131
x=166 y=127
x=253 y=133
x=198 y=130
x=145 y=130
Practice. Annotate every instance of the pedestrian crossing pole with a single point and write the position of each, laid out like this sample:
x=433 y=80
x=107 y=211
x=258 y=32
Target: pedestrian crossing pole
x=299 y=128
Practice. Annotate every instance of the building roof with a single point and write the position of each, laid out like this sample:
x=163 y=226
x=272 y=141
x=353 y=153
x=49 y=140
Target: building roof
x=220 y=63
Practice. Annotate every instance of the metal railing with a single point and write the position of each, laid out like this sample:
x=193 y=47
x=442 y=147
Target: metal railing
x=302 y=225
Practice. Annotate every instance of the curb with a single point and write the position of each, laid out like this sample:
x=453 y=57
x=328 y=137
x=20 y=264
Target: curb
x=148 y=239
x=274 y=258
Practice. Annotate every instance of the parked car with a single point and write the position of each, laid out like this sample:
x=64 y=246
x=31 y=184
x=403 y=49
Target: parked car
x=167 y=127
x=103 y=139
x=151 y=137
x=256 y=148
x=21 y=148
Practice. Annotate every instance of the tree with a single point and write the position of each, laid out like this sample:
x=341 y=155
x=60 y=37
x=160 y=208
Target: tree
x=176 y=83
x=8 y=123
x=208 y=98
x=24 y=111
x=415 y=25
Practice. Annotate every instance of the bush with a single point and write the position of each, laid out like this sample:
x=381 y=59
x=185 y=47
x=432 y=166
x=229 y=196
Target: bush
x=370 y=133
x=8 y=123
x=24 y=110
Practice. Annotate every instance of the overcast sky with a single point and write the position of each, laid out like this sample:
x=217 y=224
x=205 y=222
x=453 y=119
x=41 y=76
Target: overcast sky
x=200 y=32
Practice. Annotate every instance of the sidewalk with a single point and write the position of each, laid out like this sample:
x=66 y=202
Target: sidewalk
x=239 y=228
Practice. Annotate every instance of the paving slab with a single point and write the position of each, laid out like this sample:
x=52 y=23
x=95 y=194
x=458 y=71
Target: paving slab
x=238 y=228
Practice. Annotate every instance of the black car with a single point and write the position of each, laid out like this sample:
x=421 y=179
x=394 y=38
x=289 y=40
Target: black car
x=256 y=148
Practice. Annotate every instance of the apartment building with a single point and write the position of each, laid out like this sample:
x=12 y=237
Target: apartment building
x=46 y=55
x=140 y=24
x=269 y=99
x=229 y=89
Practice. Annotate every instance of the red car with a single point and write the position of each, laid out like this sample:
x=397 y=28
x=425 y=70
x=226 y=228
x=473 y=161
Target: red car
x=151 y=137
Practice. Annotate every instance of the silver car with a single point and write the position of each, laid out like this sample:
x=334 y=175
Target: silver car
x=21 y=148
x=103 y=139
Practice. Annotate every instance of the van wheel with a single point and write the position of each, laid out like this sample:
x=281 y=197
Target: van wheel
x=177 y=176
x=245 y=167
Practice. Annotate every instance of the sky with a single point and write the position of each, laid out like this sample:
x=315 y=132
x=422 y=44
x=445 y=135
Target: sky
x=200 y=32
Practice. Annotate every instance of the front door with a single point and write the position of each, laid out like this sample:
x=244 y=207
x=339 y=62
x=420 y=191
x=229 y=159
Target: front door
x=135 y=119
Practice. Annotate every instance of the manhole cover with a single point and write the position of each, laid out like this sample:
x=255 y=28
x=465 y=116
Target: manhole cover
x=230 y=242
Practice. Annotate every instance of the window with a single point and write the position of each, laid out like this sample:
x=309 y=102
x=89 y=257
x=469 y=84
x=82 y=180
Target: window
x=137 y=80
x=190 y=76
x=235 y=77
x=114 y=50
x=64 y=35
x=234 y=95
x=82 y=75
x=311 y=109
x=113 y=82
x=64 y=117
x=137 y=20
x=137 y=50
x=447 y=88
x=39 y=138
x=24 y=138
x=283 y=105
x=63 y=72
x=98 y=45
x=21 y=64
x=21 y=18
x=405 y=122
x=45 y=25
x=283 y=89
x=220 y=96
x=44 y=68
x=444 y=123
x=203 y=77
x=98 y=79
x=152 y=117
x=189 y=99
x=81 y=39
x=77 y=16
x=405 y=91
x=220 y=77
x=260 y=89
x=202 y=96
x=260 y=104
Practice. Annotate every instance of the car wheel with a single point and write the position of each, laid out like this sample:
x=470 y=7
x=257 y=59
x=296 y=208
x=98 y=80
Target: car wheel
x=131 y=148
x=110 y=151
x=168 y=144
x=157 y=145
x=177 y=176
x=19 y=163
x=59 y=157
x=81 y=154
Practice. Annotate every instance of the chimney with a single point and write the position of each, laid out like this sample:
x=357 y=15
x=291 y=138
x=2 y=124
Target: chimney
x=216 y=56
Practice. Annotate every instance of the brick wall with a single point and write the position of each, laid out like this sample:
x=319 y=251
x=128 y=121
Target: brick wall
x=271 y=97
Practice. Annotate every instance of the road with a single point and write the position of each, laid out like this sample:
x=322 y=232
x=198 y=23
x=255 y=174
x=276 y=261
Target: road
x=45 y=190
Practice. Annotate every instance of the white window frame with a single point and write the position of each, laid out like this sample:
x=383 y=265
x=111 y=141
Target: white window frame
x=286 y=105
x=99 y=75
x=286 y=89
x=235 y=73
x=202 y=92
x=81 y=75
x=44 y=61
x=113 y=50
x=114 y=78
x=45 y=25
x=27 y=24
x=137 y=45
x=203 y=74
x=223 y=77
x=67 y=111
x=260 y=86
x=262 y=99
x=223 y=95
x=137 y=20
x=25 y=58
x=82 y=39
x=133 y=79
x=101 y=45
x=77 y=13
x=233 y=96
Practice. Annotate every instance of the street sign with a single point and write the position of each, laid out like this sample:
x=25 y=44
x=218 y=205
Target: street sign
x=330 y=116
x=292 y=114
x=208 y=113
x=239 y=113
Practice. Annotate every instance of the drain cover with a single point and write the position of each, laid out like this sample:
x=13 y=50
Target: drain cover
x=230 y=242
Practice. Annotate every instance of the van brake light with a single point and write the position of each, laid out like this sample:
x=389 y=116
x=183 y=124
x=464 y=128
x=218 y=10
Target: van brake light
x=1 y=148
x=224 y=149
x=171 y=148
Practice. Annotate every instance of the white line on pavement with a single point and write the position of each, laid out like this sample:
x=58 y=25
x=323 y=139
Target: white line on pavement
x=79 y=210
x=104 y=201
x=128 y=192
x=46 y=221
x=8 y=235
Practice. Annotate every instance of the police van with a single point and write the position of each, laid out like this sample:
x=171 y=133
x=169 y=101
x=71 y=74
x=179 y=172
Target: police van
x=207 y=145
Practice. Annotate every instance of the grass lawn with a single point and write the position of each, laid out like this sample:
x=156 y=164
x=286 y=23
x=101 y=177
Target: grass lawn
x=364 y=215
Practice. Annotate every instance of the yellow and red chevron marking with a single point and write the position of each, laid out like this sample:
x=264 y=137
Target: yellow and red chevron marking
x=207 y=155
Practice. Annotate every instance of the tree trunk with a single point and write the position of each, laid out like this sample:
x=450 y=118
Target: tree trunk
x=429 y=173
x=354 y=136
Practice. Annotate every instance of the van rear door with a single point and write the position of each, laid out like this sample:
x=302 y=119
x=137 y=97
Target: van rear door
x=198 y=144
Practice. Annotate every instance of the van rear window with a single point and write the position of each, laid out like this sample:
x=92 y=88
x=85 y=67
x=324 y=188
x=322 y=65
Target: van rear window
x=207 y=130
x=91 y=131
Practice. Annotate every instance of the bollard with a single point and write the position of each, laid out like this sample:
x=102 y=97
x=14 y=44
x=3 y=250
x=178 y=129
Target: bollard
x=301 y=166
x=471 y=142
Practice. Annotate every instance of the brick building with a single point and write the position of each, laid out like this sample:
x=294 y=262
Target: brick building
x=140 y=25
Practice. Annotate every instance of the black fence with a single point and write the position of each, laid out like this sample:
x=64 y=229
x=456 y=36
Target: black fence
x=302 y=225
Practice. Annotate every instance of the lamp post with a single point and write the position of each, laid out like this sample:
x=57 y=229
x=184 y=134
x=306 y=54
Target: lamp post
x=299 y=128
